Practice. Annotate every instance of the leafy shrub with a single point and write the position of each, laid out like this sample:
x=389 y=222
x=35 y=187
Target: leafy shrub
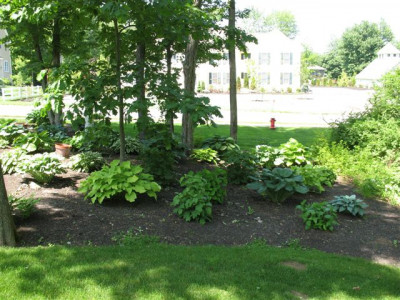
x=24 y=206
x=3 y=143
x=193 y=203
x=220 y=144
x=87 y=162
x=42 y=167
x=34 y=142
x=293 y=153
x=207 y=154
x=11 y=161
x=160 y=163
x=349 y=204
x=316 y=177
x=37 y=117
x=318 y=215
x=56 y=132
x=116 y=179
x=278 y=184
x=267 y=156
x=9 y=132
x=216 y=184
x=132 y=145
x=98 y=138
x=240 y=166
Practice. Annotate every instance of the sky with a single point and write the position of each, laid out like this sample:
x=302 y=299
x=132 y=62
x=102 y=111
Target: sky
x=321 y=21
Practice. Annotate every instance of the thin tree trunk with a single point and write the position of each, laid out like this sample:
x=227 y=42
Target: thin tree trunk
x=141 y=97
x=56 y=61
x=119 y=90
x=7 y=227
x=232 y=70
x=169 y=116
x=39 y=56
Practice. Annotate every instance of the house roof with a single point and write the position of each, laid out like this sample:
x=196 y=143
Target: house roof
x=389 y=48
x=316 y=68
x=377 y=68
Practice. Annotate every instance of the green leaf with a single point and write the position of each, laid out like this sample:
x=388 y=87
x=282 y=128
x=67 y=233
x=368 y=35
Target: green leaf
x=130 y=197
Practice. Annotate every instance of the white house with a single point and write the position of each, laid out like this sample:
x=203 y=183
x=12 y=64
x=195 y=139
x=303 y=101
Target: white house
x=5 y=58
x=274 y=63
x=388 y=59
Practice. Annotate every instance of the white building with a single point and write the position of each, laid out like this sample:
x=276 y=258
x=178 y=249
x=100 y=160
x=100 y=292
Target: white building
x=274 y=63
x=5 y=59
x=388 y=59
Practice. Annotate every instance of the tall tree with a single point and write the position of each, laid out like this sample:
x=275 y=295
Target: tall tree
x=232 y=70
x=7 y=227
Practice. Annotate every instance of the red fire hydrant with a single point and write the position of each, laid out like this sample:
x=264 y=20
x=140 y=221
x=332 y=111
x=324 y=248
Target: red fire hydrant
x=272 y=123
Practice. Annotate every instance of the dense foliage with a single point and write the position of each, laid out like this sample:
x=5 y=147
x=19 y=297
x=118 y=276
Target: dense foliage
x=42 y=167
x=119 y=178
x=11 y=161
x=240 y=165
x=208 y=155
x=349 y=204
x=87 y=162
x=316 y=177
x=318 y=215
x=277 y=184
x=220 y=144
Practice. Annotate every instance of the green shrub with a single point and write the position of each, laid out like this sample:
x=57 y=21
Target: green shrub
x=316 y=177
x=56 y=132
x=216 y=184
x=11 y=161
x=292 y=153
x=98 y=138
x=160 y=163
x=42 y=167
x=132 y=145
x=349 y=204
x=24 y=206
x=267 y=156
x=34 y=142
x=318 y=215
x=87 y=162
x=38 y=117
x=119 y=178
x=278 y=184
x=240 y=165
x=193 y=203
x=9 y=132
x=208 y=155
x=3 y=143
x=220 y=144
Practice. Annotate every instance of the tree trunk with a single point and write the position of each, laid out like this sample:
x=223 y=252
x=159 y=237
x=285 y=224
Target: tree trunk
x=38 y=51
x=119 y=90
x=7 y=227
x=141 y=84
x=189 y=73
x=169 y=116
x=56 y=61
x=232 y=70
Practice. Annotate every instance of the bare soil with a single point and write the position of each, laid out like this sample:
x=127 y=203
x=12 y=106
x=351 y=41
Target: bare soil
x=64 y=217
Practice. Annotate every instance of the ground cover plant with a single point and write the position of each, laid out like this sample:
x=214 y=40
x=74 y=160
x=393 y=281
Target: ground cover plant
x=87 y=162
x=208 y=155
x=349 y=204
x=23 y=206
x=316 y=178
x=12 y=161
x=318 y=215
x=42 y=167
x=119 y=177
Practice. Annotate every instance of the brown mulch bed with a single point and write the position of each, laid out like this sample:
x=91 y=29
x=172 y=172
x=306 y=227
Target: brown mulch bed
x=64 y=217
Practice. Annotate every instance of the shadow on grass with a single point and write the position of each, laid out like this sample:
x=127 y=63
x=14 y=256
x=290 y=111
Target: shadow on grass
x=156 y=271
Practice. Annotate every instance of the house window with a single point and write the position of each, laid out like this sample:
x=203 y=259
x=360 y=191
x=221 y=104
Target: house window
x=286 y=58
x=6 y=66
x=243 y=75
x=225 y=78
x=286 y=78
x=264 y=58
x=388 y=55
x=214 y=78
x=265 y=78
x=244 y=56
x=394 y=55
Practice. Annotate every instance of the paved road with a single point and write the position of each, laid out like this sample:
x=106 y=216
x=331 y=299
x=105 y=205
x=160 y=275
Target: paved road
x=317 y=109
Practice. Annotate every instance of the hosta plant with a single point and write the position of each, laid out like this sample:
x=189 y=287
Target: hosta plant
x=132 y=145
x=119 y=178
x=349 y=204
x=293 y=153
x=87 y=162
x=43 y=167
x=33 y=142
x=208 y=155
x=194 y=202
x=277 y=184
x=9 y=132
x=220 y=144
x=12 y=161
x=267 y=156
x=318 y=215
x=3 y=143
x=316 y=177
x=216 y=184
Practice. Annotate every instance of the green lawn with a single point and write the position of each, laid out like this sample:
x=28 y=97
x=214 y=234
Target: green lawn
x=250 y=136
x=16 y=102
x=158 y=271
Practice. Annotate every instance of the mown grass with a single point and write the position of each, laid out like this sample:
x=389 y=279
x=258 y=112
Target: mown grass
x=158 y=271
x=250 y=136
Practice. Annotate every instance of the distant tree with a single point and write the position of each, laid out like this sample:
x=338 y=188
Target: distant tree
x=284 y=20
x=308 y=58
x=246 y=81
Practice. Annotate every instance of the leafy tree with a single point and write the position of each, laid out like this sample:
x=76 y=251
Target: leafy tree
x=308 y=58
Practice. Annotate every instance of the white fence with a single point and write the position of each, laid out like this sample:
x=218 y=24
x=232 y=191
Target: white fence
x=17 y=93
